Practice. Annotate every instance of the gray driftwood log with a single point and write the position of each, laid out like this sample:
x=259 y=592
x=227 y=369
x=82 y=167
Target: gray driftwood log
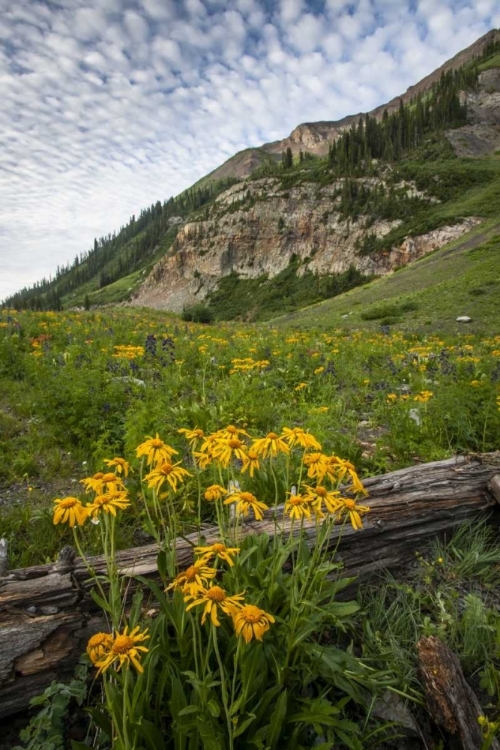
x=47 y=615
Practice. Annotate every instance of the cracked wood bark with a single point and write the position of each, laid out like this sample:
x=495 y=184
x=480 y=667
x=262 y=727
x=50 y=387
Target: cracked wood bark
x=47 y=614
x=451 y=701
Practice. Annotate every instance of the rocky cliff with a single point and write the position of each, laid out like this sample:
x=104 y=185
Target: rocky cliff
x=481 y=135
x=257 y=228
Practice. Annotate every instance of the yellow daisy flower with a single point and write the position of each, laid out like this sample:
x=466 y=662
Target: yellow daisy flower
x=99 y=646
x=194 y=576
x=155 y=450
x=251 y=622
x=317 y=465
x=354 y=512
x=166 y=472
x=70 y=510
x=270 y=445
x=214 y=492
x=250 y=462
x=217 y=550
x=121 y=466
x=192 y=436
x=109 y=502
x=125 y=650
x=245 y=502
x=298 y=506
x=319 y=495
x=227 y=449
x=298 y=436
x=214 y=598
x=100 y=483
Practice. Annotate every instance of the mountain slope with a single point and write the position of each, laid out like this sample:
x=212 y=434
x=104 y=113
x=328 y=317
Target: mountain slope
x=461 y=279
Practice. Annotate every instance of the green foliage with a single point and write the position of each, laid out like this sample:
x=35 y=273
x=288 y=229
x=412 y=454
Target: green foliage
x=198 y=314
x=262 y=298
x=47 y=730
x=448 y=594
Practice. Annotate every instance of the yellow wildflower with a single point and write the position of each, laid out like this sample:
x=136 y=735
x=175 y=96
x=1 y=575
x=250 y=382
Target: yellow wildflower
x=99 y=645
x=194 y=576
x=296 y=435
x=319 y=495
x=228 y=448
x=354 y=512
x=297 y=507
x=166 y=472
x=217 y=550
x=121 y=466
x=317 y=465
x=192 y=436
x=155 y=450
x=245 y=502
x=70 y=510
x=125 y=650
x=213 y=598
x=108 y=503
x=251 y=622
x=214 y=492
x=250 y=462
x=270 y=445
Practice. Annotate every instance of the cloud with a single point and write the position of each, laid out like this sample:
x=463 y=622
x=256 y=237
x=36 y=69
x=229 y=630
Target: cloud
x=111 y=105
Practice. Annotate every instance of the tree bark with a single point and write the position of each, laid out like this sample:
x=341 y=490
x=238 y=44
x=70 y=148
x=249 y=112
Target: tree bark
x=451 y=701
x=47 y=614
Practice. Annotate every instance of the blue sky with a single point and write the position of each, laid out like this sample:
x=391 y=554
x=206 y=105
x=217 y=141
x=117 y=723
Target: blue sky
x=110 y=105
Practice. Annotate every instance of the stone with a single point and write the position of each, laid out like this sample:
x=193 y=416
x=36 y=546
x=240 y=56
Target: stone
x=463 y=319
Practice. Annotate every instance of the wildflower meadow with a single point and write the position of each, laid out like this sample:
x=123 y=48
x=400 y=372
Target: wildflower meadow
x=126 y=426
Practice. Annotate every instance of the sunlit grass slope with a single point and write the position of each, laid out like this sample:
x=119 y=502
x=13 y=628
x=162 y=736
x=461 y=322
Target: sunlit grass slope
x=462 y=278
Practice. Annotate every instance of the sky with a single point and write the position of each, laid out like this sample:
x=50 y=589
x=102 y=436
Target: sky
x=107 y=106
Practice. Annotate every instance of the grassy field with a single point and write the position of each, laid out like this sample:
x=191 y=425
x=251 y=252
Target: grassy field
x=427 y=296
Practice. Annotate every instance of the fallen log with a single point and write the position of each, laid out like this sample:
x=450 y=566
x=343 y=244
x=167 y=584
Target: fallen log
x=47 y=614
x=451 y=701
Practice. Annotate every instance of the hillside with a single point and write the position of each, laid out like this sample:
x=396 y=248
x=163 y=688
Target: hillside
x=395 y=184
x=461 y=279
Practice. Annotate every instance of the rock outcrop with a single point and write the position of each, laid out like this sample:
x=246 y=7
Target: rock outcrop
x=481 y=136
x=258 y=228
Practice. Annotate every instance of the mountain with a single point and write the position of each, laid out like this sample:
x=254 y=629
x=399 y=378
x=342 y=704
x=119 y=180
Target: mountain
x=316 y=137
x=303 y=219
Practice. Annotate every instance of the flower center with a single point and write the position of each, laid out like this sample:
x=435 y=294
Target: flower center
x=272 y=436
x=321 y=491
x=252 y=455
x=69 y=502
x=350 y=504
x=102 y=499
x=248 y=497
x=108 y=477
x=99 y=475
x=235 y=443
x=166 y=469
x=191 y=573
x=156 y=443
x=219 y=547
x=216 y=594
x=251 y=613
x=123 y=644
x=232 y=430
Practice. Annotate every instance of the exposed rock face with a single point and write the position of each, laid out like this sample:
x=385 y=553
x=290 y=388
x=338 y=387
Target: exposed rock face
x=257 y=228
x=482 y=135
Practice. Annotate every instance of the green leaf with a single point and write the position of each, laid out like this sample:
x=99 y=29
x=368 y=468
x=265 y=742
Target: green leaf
x=102 y=603
x=277 y=719
x=244 y=725
x=213 y=708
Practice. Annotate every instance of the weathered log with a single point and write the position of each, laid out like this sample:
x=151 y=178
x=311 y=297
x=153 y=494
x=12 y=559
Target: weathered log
x=47 y=614
x=451 y=701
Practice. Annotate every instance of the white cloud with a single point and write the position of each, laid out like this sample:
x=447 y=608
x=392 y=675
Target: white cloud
x=110 y=105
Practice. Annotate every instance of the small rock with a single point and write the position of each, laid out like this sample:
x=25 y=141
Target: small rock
x=31 y=610
x=463 y=319
x=49 y=610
